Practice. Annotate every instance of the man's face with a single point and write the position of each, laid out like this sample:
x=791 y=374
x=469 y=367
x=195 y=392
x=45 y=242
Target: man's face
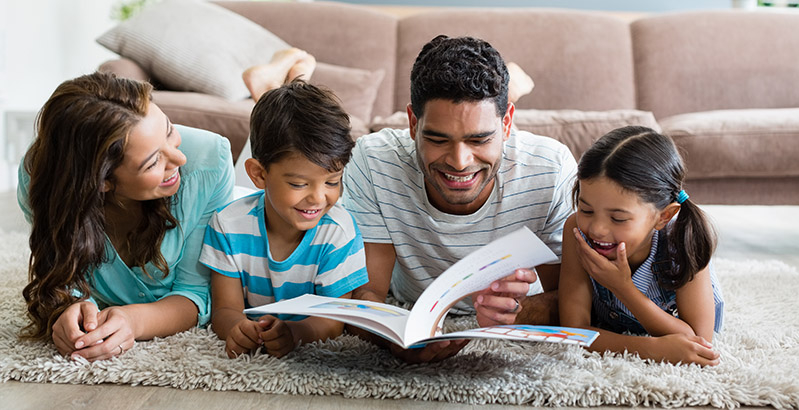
x=459 y=148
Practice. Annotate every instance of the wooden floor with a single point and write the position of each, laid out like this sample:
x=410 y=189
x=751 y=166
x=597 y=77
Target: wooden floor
x=16 y=395
x=745 y=233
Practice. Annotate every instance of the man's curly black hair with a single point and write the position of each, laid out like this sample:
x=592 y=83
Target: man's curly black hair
x=459 y=69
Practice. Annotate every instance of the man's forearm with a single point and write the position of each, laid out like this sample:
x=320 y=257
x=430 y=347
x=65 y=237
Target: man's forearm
x=541 y=309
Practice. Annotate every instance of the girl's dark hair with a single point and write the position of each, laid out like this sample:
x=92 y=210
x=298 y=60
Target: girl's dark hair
x=648 y=164
x=82 y=130
x=459 y=69
x=302 y=118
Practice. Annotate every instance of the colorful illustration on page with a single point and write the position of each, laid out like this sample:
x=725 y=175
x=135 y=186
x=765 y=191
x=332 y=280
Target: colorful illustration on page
x=377 y=310
x=454 y=285
x=541 y=333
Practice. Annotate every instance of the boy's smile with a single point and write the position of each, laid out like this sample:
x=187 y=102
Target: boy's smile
x=298 y=193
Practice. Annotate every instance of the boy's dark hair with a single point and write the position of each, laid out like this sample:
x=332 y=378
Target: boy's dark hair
x=459 y=69
x=302 y=118
x=648 y=164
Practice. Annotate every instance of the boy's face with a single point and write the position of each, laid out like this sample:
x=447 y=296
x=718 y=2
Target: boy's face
x=298 y=192
x=459 y=148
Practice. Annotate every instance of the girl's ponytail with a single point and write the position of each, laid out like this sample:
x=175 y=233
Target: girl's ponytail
x=692 y=241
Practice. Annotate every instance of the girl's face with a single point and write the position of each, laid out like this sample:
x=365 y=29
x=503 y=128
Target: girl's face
x=298 y=193
x=152 y=159
x=608 y=214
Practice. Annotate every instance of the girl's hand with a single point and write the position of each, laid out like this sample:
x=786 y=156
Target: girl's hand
x=113 y=336
x=680 y=348
x=74 y=322
x=277 y=337
x=614 y=275
x=244 y=337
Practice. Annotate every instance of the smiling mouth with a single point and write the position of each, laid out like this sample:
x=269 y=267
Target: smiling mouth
x=172 y=178
x=460 y=178
x=309 y=213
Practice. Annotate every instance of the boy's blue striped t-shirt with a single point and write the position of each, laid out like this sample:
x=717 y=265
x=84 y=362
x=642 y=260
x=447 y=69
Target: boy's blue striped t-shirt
x=329 y=260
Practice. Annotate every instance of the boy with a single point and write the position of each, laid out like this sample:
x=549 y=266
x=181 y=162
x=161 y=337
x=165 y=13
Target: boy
x=290 y=238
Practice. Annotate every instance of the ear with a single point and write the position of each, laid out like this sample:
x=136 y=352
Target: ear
x=256 y=172
x=666 y=214
x=507 y=121
x=106 y=186
x=412 y=121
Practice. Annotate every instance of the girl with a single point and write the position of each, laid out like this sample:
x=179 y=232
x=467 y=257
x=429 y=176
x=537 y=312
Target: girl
x=627 y=266
x=118 y=199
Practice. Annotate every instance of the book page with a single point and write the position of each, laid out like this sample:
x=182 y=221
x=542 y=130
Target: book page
x=385 y=320
x=526 y=333
x=475 y=272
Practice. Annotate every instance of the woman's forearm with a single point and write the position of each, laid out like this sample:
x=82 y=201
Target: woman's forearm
x=165 y=317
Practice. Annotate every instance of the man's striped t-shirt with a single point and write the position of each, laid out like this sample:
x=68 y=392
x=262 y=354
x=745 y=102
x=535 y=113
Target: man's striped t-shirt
x=384 y=190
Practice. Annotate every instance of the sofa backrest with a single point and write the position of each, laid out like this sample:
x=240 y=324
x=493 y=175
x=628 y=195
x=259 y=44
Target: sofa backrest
x=335 y=33
x=578 y=60
x=712 y=60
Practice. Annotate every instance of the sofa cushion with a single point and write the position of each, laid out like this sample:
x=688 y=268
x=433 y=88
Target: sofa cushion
x=356 y=88
x=737 y=143
x=194 y=45
x=715 y=60
x=575 y=129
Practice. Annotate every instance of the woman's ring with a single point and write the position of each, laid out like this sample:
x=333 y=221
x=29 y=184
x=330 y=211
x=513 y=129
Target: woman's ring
x=121 y=350
x=515 y=308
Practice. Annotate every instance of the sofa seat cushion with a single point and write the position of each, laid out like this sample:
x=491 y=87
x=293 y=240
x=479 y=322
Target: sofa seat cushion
x=574 y=128
x=737 y=143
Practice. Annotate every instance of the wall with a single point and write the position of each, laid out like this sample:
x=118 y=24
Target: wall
x=42 y=43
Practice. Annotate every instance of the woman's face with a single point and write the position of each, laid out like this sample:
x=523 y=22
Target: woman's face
x=152 y=159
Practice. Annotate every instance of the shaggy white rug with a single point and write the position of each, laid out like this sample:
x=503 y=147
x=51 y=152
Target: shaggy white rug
x=759 y=348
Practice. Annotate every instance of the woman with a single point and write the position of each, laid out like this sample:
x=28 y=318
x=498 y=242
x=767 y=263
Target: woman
x=118 y=199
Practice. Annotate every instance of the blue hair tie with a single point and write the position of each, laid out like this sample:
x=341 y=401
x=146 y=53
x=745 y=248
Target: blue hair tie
x=682 y=196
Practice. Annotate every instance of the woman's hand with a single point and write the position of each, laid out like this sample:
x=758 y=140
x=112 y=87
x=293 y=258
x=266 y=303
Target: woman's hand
x=612 y=274
x=74 y=322
x=502 y=301
x=680 y=348
x=113 y=336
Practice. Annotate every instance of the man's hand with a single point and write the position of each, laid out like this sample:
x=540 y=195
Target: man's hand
x=502 y=301
x=432 y=352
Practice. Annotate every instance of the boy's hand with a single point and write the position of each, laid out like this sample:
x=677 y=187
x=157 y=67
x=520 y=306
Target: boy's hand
x=276 y=335
x=244 y=337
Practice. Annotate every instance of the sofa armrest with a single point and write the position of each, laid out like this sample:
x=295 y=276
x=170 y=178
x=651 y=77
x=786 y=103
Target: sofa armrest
x=126 y=68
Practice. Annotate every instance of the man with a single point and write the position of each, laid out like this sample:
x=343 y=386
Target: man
x=458 y=178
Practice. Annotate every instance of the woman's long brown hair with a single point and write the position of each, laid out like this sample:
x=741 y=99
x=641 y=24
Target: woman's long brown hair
x=82 y=131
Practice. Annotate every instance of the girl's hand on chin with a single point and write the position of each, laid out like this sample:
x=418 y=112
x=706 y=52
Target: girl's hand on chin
x=612 y=274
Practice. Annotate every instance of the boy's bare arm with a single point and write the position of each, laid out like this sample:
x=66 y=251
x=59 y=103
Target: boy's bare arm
x=227 y=303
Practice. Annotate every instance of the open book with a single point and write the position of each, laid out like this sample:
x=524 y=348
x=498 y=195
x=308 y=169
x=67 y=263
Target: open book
x=422 y=324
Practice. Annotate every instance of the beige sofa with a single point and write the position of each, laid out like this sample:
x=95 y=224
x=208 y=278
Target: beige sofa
x=724 y=84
